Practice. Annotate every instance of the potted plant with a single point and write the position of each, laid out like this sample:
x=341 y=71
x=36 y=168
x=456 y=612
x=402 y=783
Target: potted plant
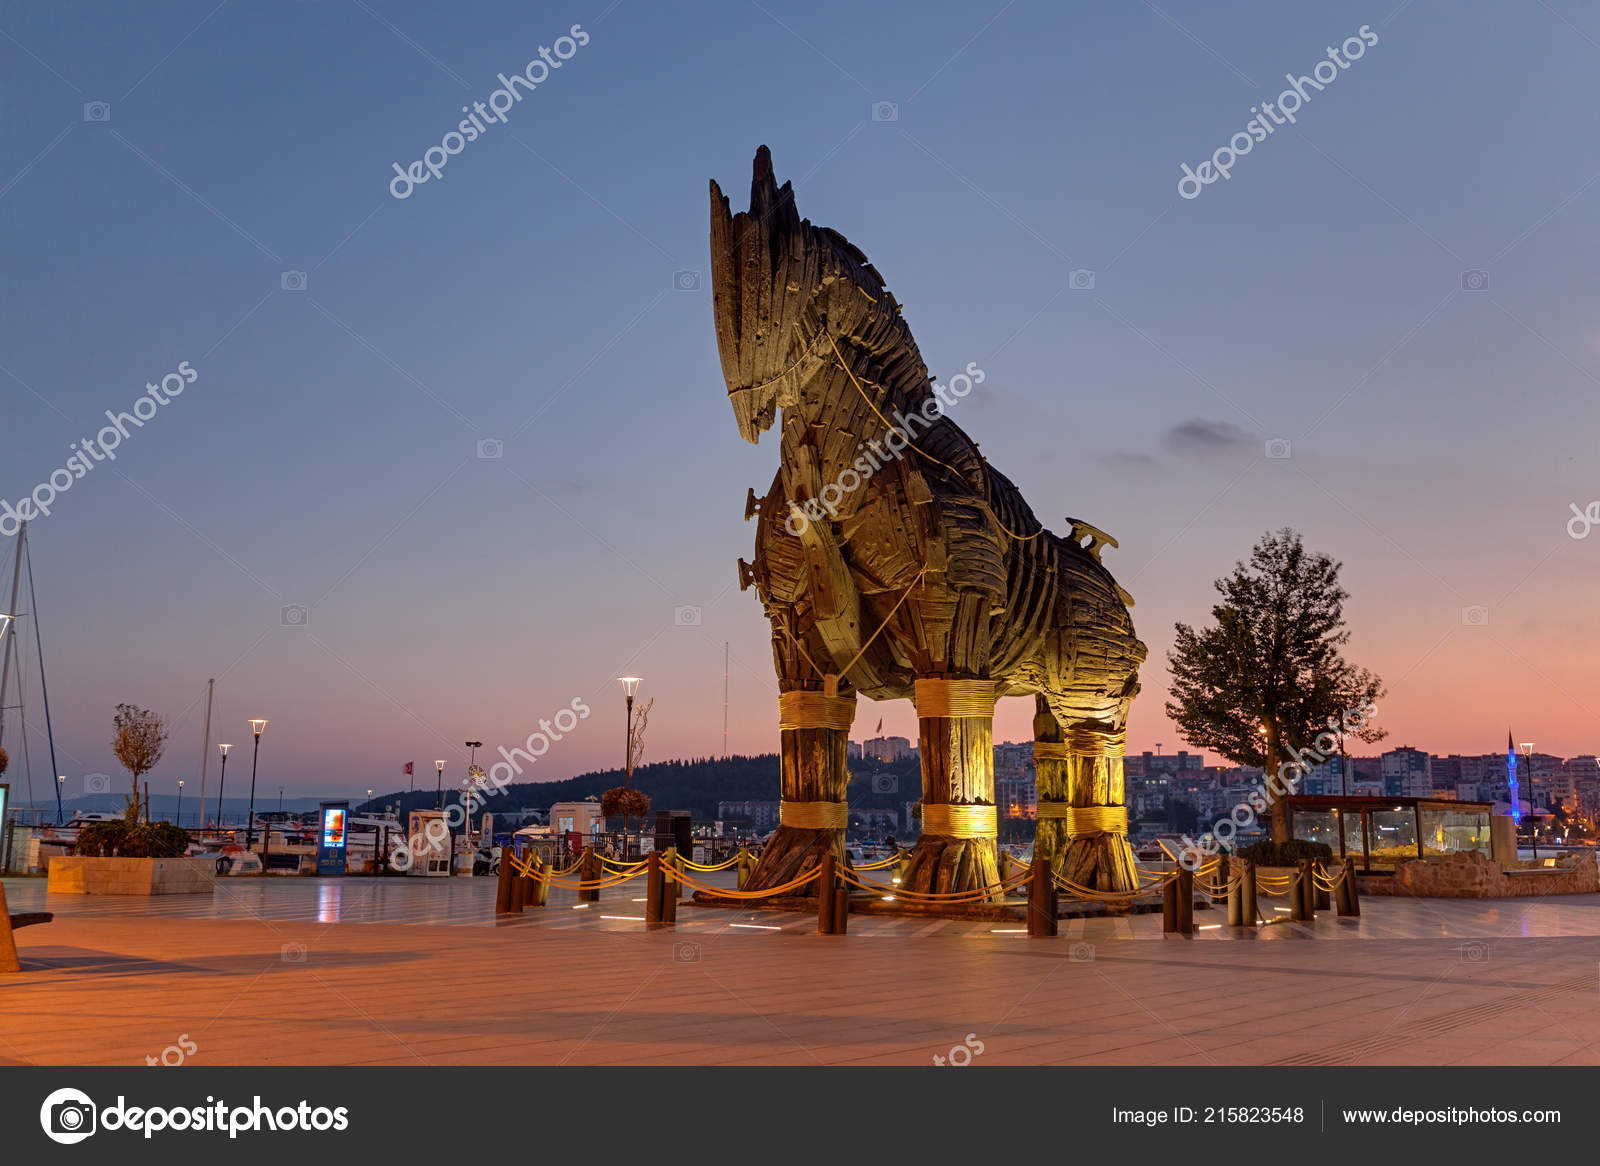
x=133 y=855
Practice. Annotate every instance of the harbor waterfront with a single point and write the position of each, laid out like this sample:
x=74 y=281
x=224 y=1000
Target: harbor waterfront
x=361 y=971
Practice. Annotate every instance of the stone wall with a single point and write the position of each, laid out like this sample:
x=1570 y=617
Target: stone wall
x=1471 y=875
x=83 y=875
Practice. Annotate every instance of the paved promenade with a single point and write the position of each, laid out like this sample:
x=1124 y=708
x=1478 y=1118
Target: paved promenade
x=408 y=972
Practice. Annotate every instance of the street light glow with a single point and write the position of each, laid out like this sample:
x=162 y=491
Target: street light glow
x=257 y=724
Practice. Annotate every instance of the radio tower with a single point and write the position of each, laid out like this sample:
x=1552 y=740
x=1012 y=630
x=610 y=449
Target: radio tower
x=724 y=698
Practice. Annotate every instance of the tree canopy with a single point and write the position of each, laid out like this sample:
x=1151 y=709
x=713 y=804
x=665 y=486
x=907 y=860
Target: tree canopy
x=1266 y=683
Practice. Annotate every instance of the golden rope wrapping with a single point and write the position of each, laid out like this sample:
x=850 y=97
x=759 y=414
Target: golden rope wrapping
x=1087 y=819
x=1049 y=751
x=1095 y=743
x=803 y=709
x=940 y=696
x=814 y=815
x=960 y=821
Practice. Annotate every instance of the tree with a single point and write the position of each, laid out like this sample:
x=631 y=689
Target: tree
x=139 y=740
x=1266 y=683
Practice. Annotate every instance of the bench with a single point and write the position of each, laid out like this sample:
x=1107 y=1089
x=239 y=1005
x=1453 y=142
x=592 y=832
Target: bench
x=8 y=924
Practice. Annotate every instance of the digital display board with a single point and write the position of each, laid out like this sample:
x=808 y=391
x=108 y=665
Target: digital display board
x=333 y=824
x=332 y=827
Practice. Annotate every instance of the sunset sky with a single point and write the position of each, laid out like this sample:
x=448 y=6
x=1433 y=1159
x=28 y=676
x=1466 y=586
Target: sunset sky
x=326 y=456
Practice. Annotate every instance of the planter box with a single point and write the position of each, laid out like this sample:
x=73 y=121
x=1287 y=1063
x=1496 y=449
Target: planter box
x=80 y=875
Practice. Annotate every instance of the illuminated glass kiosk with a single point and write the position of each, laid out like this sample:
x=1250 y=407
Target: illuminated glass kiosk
x=1379 y=833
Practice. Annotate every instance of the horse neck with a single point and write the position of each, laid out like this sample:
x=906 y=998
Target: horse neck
x=853 y=391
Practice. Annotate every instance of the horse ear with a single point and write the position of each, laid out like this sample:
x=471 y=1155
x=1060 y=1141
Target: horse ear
x=763 y=185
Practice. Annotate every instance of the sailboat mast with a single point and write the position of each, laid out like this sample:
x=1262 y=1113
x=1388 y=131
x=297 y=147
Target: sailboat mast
x=5 y=653
x=205 y=753
x=44 y=688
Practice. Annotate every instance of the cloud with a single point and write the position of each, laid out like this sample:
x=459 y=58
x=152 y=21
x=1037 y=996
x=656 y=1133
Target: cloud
x=1198 y=437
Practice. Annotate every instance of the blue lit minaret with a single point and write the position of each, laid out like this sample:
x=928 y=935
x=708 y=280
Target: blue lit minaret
x=1511 y=778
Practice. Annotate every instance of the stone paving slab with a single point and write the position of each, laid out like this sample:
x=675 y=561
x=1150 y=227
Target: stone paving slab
x=372 y=971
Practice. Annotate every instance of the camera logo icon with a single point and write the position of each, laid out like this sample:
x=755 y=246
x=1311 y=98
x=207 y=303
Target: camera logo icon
x=885 y=783
x=96 y=783
x=1081 y=953
x=293 y=953
x=686 y=953
x=1080 y=279
x=687 y=616
x=490 y=448
x=96 y=111
x=1474 y=281
x=292 y=616
x=686 y=280
x=292 y=281
x=885 y=111
x=68 y=1116
x=1475 y=616
x=960 y=1056
x=1475 y=953
x=1279 y=448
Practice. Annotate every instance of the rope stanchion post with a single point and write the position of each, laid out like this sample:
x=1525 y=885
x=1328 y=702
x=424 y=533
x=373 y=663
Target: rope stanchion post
x=826 y=903
x=540 y=891
x=1300 y=900
x=1348 y=899
x=1169 y=907
x=504 y=888
x=588 y=873
x=652 y=890
x=745 y=865
x=669 y=900
x=1184 y=886
x=841 y=909
x=1323 y=901
x=1041 y=900
x=1252 y=910
x=669 y=867
x=1236 y=915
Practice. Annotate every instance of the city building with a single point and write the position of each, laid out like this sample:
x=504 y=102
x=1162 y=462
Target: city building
x=761 y=815
x=1407 y=773
x=886 y=749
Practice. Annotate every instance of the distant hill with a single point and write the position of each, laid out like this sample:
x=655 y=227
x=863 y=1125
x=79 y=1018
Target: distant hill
x=696 y=785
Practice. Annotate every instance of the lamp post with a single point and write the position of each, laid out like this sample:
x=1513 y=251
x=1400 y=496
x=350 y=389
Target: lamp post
x=61 y=780
x=630 y=685
x=222 y=780
x=1533 y=824
x=256 y=725
x=438 y=769
x=180 y=802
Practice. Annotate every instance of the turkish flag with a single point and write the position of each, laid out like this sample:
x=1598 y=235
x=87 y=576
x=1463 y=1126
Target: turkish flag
x=409 y=764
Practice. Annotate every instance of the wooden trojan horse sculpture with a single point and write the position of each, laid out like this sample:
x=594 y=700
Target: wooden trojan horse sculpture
x=894 y=561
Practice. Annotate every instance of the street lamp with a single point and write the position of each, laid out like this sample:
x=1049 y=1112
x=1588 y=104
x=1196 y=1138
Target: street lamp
x=180 y=802
x=438 y=769
x=630 y=685
x=61 y=780
x=256 y=725
x=221 y=781
x=1533 y=825
x=473 y=761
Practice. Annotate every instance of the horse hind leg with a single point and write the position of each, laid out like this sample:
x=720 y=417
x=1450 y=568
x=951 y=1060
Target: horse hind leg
x=1083 y=817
